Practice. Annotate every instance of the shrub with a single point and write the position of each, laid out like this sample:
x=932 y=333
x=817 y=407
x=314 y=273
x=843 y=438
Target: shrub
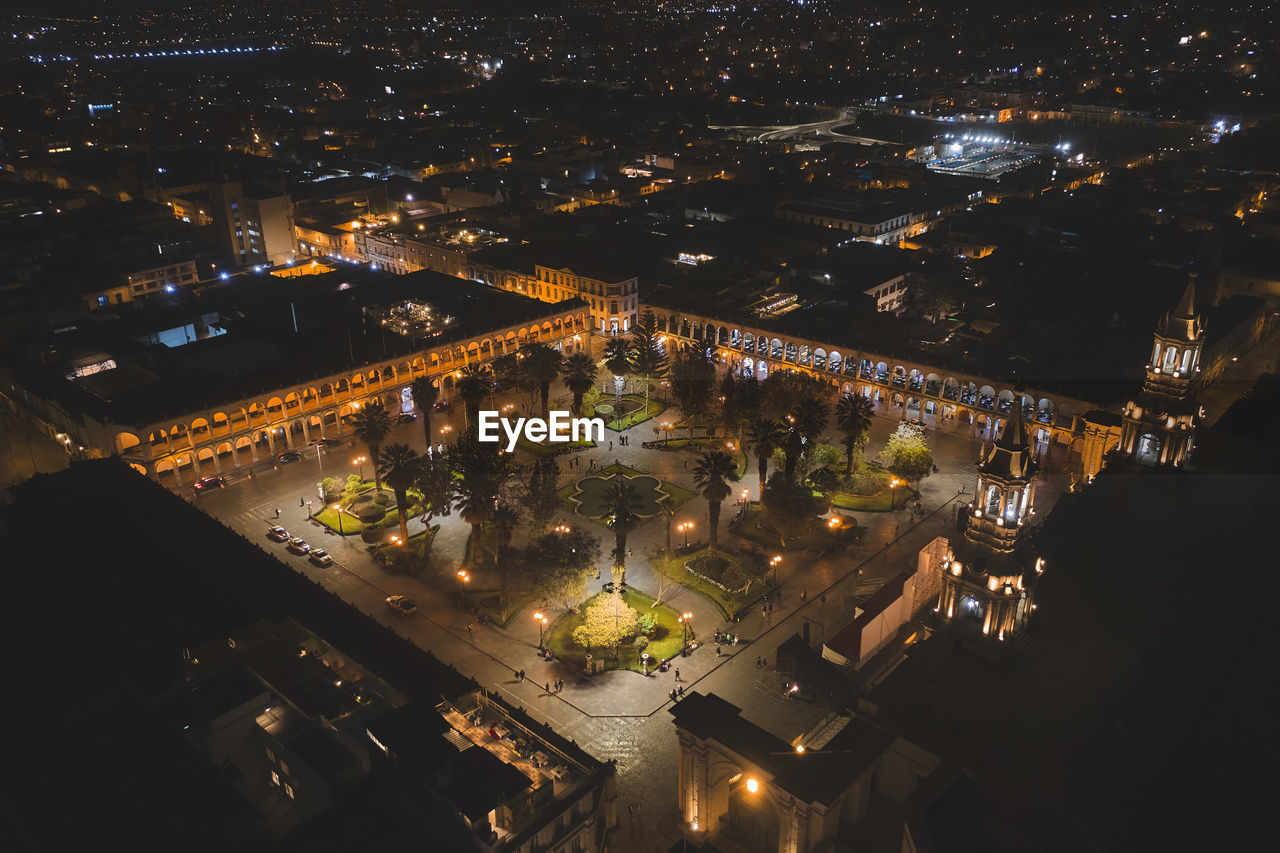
x=370 y=513
x=647 y=625
x=381 y=499
x=641 y=642
x=373 y=534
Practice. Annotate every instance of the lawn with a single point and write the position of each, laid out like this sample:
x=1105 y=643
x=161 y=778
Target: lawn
x=726 y=602
x=636 y=413
x=582 y=495
x=665 y=642
x=417 y=553
x=869 y=490
x=760 y=527
x=488 y=601
x=351 y=524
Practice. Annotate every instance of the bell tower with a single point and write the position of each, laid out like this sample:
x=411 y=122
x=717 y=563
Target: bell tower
x=1159 y=425
x=988 y=576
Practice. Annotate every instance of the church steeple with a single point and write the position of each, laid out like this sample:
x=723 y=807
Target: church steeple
x=1004 y=487
x=1158 y=425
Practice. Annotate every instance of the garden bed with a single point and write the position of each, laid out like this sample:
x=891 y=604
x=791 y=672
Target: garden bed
x=665 y=642
x=675 y=568
x=414 y=556
x=636 y=413
x=759 y=527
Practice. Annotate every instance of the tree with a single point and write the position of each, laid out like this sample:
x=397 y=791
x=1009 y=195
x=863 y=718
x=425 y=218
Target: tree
x=504 y=519
x=824 y=456
x=740 y=401
x=693 y=381
x=621 y=503
x=556 y=565
x=371 y=425
x=475 y=383
x=617 y=358
x=435 y=485
x=398 y=465
x=425 y=393
x=825 y=481
x=906 y=454
x=668 y=515
x=853 y=419
x=806 y=425
x=543 y=483
x=765 y=435
x=480 y=473
x=715 y=470
x=790 y=504
x=579 y=377
x=606 y=622
x=648 y=361
x=540 y=366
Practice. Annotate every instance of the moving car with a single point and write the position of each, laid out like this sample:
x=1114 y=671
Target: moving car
x=298 y=546
x=442 y=406
x=210 y=483
x=403 y=605
x=325 y=442
x=288 y=456
x=320 y=557
x=279 y=534
x=406 y=418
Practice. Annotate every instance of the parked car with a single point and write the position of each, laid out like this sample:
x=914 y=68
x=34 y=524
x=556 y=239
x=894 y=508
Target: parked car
x=403 y=605
x=442 y=406
x=326 y=442
x=279 y=534
x=406 y=418
x=298 y=546
x=320 y=557
x=210 y=483
x=288 y=456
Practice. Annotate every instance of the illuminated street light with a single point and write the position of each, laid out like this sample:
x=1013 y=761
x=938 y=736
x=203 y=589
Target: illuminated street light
x=752 y=786
x=542 y=623
x=338 y=509
x=893 y=494
x=684 y=619
x=359 y=462
x=685 y=527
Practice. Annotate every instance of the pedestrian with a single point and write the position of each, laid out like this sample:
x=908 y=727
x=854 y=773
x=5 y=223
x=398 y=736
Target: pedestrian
x=764 y=663
x=717 y=651
x=680 y=690
x=302 y=502
x=686 y=464
x=804 y=595
x=277 y=512
x=677 y=674
x=764 y=612
x=672 y=694
x=470 y=627
x=611 y=444
x=547 y=687
x=823 y=600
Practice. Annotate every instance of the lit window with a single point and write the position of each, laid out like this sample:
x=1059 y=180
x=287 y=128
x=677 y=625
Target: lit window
x=288 y=789
x=275 y=778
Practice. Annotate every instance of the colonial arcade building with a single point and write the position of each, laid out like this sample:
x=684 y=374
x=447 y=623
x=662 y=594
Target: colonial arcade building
x=914 y=390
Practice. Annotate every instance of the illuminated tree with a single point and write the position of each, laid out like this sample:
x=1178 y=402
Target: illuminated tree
x=606 y=623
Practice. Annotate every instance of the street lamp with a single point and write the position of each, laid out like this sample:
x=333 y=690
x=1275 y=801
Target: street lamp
x=773 y=564
x=684 y=620
x=893 y=493
x=561 y=528
x=745 y=494
x=444 y=432
x=684 y=527
x=542 y=623
x=338 y=509
x=359 y=462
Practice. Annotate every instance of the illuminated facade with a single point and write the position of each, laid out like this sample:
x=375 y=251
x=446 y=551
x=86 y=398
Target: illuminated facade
x=1159 y=426
x=987 y=578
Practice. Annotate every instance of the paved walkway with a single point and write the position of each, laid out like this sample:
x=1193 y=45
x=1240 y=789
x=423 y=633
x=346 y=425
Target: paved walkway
x=622 y=715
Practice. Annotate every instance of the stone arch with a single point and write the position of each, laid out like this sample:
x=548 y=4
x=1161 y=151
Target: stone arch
x=292 y=401
x=992 y=501
x=244 y=442
x=357 y=385
x=1044 y=411
x=899 y=376
x=275 y=408
x=776 y=350
x=735 y=339
x=913 y=403
x=762 y=345
x=950 y=389
x=882 y=372
x=762 y=371
x=969 y=393
x=1066 y=412
x=126 y=440
x=915 y=380
x=419 y=365
x=1004 y=401
x=748 y=367
x=748 y=342
x=164 y=466
x=221 y=423
x=932 y=385
x=896 y=399
x=834 y=361
x=225 y=453
x=987 y=397
x=789 y=352
x=199 y=429
x=866 y=370
x=722 y=336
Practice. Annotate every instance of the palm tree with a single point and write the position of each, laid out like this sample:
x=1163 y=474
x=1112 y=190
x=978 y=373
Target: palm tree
x=853 y=418
x=806 y=426
x=474 y=503
x=434 y=481
x=617 y=357
x=765 y=435
x=668 y=515
x=398 y=465
x=425 y=393
x=541 y=365
x=371 y=425
x=715 y=470
x=621 y=503
x=579 y=376
x=480 y=473
x=504 y=520
x=475 y=382
x=648 y=361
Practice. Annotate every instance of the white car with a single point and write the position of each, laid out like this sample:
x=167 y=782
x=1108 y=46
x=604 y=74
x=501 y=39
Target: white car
x=279 y=534
x=320 y=557
x=402 y=604
x=298 y=546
